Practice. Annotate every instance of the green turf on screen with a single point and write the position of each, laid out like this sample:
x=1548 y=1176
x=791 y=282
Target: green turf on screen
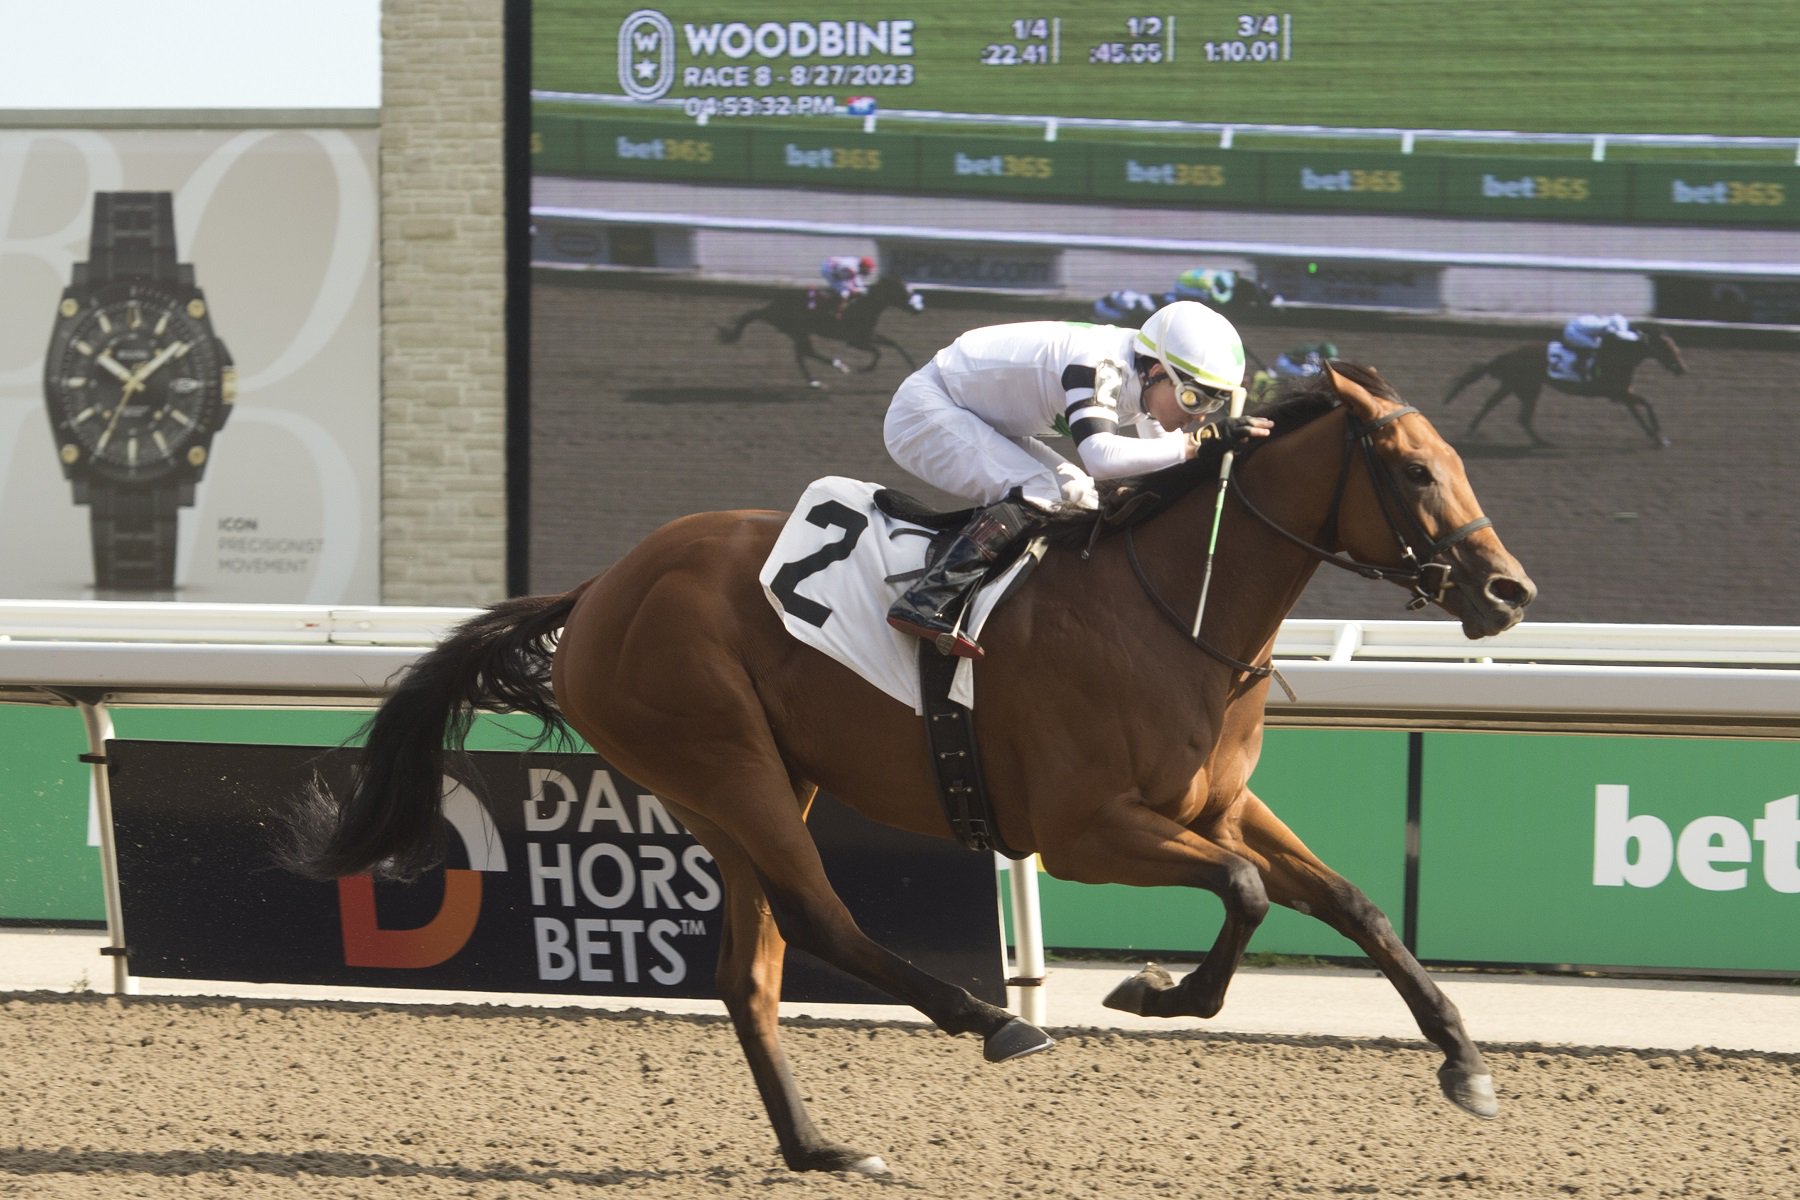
x=1653 y=66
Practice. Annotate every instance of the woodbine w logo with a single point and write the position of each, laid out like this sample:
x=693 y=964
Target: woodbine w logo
x=646 y=55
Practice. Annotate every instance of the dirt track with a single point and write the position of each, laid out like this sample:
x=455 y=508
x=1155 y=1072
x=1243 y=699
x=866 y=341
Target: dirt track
x=641 y=414
x=161 y=1098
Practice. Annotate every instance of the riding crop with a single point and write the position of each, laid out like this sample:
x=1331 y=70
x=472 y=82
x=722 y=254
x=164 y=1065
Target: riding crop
x=1238 y=397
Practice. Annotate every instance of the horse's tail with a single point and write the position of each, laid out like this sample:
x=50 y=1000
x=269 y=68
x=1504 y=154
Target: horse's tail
x=1466 y=378
x=389 y=821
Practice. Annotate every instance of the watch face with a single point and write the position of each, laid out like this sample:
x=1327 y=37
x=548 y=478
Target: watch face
x=135 y=380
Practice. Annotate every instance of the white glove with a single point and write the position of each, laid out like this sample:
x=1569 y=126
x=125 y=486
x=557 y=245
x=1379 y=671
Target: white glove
x=1078 y=490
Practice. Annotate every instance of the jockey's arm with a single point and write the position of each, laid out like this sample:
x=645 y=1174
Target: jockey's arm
x=1093 y=416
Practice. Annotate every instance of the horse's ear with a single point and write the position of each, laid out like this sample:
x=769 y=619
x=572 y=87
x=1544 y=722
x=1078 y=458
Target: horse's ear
x=1357 y=398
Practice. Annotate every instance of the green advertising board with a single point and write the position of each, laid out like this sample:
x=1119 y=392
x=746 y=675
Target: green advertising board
x=1353 y=182
x=556 y=144
x=1176 y=175
x=833 y=158
x=1529 y=188
x=1610 y=851
x=49 y=866
x=645 y=150
x=48 y=870
x=1723 y=192
x=1002 y=166
x=1342 y=791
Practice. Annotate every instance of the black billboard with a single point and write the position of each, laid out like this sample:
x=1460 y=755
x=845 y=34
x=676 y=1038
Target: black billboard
x=563 y=876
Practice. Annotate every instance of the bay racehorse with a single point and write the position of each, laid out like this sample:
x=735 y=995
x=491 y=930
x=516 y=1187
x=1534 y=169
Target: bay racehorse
x=809 y=313
x=1523 y=372
x=1116 y=747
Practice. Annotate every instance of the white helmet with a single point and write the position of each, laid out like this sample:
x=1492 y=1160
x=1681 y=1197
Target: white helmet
x=1199 y=351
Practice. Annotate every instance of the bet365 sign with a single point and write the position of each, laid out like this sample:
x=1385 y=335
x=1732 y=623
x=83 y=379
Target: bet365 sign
x=1714 y=853
x=1611 y=851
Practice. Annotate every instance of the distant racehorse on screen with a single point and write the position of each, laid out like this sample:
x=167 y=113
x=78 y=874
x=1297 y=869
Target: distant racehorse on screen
x=1116 y=745
x=808 y=313
x=1523 y=372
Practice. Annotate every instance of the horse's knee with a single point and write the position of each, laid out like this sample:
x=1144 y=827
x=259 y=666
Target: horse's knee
x=1243 y=892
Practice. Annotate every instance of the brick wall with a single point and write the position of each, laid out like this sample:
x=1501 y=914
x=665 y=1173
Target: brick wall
x=443 y=303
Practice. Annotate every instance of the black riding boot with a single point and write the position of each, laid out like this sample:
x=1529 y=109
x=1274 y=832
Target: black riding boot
x=931 y=606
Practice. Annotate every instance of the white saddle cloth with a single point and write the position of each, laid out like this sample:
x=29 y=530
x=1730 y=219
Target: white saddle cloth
x=828 y=576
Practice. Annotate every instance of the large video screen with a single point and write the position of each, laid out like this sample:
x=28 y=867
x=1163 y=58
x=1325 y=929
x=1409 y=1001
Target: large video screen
x=1433 y=190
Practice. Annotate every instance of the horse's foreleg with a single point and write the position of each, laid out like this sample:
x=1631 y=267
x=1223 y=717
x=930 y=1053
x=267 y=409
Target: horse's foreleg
x=803 y=350
x=1641 y=412
x=1145 y=849
x=1528 y=402
x=1296 y=879
x=881 y=339
x=749 y=982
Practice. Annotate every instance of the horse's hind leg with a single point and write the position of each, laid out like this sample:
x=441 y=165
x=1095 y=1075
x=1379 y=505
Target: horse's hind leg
x=1488 y=406
x=749 y=982
x=1297 y=879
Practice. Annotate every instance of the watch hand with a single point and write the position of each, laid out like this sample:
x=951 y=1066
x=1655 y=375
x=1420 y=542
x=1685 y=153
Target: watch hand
x=113 y=366
x=136 y=382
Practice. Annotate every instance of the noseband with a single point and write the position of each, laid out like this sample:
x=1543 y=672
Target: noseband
x=1423 y=566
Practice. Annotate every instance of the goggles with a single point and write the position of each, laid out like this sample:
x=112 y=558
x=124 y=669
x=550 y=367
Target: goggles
x=1197 y=398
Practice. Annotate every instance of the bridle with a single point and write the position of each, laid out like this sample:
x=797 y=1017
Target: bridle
x=1422 y=563
x=1422 y=558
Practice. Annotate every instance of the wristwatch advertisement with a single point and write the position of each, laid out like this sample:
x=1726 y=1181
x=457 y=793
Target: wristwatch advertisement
x=190 y=401
x=138 y=383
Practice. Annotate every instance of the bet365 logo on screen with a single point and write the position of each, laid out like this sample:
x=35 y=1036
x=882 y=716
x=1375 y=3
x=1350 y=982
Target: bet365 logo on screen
x=646 y=55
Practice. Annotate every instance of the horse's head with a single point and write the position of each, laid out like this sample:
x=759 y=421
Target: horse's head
x=1413 y=513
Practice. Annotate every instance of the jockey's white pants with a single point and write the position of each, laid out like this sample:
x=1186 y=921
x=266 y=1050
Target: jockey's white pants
x=951 y=448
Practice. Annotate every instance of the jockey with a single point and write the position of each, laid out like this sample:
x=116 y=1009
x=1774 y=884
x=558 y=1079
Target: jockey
x=1307 y=359
x=1584 y=335
x=1207 y=286
x=846 y=276
x=1126 y=305
x=969 y=422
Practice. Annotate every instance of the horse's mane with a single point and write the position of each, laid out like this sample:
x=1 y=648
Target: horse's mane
x=1137 y=498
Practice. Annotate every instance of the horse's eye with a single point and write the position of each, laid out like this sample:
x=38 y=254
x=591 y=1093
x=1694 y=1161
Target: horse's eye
x=1418 y=473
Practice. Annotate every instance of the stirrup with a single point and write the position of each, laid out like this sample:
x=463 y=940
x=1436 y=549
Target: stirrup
x=953 y=641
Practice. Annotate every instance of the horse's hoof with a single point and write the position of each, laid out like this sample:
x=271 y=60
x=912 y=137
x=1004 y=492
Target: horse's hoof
x=1469 y=1091
x=1133 y=996
x=842 y=369
x=814 y=383
x=839 y=1158
x=1015 y=1039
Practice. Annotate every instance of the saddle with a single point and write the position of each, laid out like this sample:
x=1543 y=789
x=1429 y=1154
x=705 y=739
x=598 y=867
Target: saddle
x=1569 y=364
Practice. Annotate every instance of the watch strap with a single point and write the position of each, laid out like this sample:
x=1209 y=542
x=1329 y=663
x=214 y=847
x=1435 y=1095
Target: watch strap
x=133 y=237
x=134 y=537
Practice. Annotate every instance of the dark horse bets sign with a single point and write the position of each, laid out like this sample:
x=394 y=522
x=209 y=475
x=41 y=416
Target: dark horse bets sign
x=561 y=875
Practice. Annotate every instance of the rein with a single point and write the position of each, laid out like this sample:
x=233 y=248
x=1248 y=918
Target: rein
x=1426 y=573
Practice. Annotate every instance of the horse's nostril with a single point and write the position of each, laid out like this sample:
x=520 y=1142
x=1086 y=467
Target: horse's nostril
x=1514 y=593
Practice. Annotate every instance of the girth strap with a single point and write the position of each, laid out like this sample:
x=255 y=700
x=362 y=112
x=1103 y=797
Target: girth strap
x=950 y=740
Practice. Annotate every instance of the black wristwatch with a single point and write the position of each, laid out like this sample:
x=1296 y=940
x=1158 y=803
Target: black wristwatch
x=137 y=384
